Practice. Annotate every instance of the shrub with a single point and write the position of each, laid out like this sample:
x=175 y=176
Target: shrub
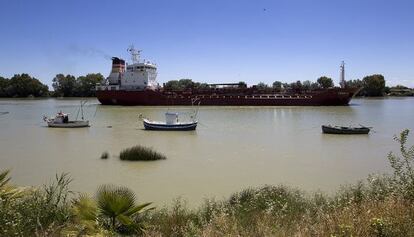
x=37 y=212
x=140 y=153
x=403 y=167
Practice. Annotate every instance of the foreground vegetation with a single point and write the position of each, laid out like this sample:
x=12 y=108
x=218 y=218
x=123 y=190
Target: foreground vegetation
x=382 y=205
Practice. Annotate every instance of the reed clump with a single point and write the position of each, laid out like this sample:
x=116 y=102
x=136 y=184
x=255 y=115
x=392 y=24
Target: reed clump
x=105 y=155
x=141 y=153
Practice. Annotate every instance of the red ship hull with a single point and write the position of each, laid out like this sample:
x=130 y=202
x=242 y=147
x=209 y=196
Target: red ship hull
x=327 y=97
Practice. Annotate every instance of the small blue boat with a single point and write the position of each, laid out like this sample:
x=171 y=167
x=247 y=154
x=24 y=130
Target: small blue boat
x=171 y=124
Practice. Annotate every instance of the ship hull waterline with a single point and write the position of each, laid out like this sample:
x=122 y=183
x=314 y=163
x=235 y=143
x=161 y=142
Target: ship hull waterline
x=330 y=97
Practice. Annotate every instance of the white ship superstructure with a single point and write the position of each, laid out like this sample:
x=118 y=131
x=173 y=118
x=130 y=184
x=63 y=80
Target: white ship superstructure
x=139 y=75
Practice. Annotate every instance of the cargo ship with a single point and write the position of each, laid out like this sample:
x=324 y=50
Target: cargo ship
x=135 y=84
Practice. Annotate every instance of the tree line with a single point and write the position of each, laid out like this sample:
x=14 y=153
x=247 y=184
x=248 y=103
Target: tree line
x=24 y=85
x=373 y=85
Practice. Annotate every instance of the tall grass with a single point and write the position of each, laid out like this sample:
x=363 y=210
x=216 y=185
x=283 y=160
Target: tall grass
x=38 y=212
x=141 y=153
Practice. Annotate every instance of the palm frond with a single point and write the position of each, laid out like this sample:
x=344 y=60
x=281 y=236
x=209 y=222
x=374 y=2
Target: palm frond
x=85 y=208
x=137 y=209
x=113 y=201
x=125 y=220
x=3 y=178
x=8 y=191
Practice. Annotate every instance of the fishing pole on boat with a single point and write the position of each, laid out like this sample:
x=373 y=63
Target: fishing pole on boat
x=81 y=107
x=96 y=110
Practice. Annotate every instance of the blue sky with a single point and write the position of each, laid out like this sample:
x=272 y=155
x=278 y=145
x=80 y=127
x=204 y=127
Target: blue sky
x=213 y=41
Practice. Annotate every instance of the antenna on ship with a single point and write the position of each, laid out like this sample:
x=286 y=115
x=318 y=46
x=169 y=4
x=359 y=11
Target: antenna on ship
x=134 y=53
x=342 y=75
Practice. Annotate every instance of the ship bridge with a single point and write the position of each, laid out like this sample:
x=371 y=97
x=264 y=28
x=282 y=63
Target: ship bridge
x=139 y=75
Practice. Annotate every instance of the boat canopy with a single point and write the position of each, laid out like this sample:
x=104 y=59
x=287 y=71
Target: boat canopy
x=171 y=118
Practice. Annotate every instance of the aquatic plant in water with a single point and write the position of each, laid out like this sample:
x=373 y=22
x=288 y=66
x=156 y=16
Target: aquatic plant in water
x=141 y=153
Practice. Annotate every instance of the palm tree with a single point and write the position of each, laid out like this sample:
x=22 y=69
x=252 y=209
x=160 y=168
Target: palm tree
x=7 y=191
x=113 y=205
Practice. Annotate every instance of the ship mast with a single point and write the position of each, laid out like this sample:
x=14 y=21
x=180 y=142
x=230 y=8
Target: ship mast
x=342 y=82
x=135 y=54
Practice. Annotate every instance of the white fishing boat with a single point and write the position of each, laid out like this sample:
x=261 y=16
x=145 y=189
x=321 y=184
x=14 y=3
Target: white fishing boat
x=61 y=120
x=172 y=123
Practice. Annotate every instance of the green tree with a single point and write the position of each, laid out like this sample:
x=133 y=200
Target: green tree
x=296 y=86
x=181 y=84
x=325 y=82
x=203 y=86
x=85 y=84
x=4 y=83
x=277 y=85
x=357 y=83
x=242 y=84
x=186 y=84
x=23 y=85
x=262 y=85
x=64 y=85
x=315 y=86
x=171 y=85
x=374 y=85
x=307 y=85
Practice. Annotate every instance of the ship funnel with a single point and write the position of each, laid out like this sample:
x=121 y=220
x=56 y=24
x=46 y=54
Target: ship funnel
x=118 y=68
x=118 y=65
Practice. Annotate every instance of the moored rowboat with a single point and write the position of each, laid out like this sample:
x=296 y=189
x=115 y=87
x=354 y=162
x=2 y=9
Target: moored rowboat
x=344 y=130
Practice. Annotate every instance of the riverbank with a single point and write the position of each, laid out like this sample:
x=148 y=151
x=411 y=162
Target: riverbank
x=363 y=209
x=382 y=205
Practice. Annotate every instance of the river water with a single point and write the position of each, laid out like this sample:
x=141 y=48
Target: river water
x=232 y=148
